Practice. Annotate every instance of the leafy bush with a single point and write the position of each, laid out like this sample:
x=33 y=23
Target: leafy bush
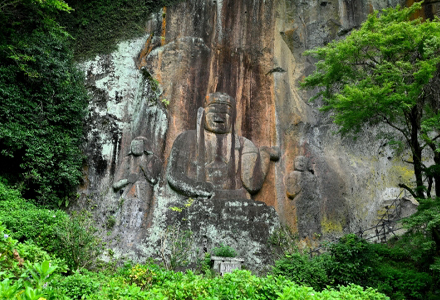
x=224 y=251
x=29 y=223
x=241 y=285
x=77 y=286
x=402 y=283
x=294 y=292
x=69 y=237
x=389 y=269
x=353 y=260
x=26 y=271
x=142 y=276
x=305 y=270
x=82 y=247
x=36 y=286
x=423 y=237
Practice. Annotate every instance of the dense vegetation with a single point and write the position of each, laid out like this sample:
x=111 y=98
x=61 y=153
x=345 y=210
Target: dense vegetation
x=43 y=99
x=400 y=269
x=36 y=267
x=31 y=237
x=98 y=25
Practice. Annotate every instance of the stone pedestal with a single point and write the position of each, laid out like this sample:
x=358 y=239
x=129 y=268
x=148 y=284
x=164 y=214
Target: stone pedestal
x=242 y=224
x=225 y=265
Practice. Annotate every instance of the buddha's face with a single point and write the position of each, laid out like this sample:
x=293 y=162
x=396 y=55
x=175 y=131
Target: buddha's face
x=218 y=118
x=300 y=163
x=137 y=147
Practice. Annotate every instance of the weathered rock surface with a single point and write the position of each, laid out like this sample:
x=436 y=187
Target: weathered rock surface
x=252 y=51
x=243 y=224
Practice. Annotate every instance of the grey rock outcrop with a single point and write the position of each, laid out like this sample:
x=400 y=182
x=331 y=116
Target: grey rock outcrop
x=252 y=51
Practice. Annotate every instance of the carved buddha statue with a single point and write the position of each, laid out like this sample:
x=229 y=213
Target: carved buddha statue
x=213 y=161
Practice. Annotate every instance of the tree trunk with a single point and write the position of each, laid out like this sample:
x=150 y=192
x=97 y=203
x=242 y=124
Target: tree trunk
x=414 y=119
x=436 y=174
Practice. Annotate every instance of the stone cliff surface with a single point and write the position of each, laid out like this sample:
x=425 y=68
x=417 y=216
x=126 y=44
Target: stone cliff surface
x=251 y=50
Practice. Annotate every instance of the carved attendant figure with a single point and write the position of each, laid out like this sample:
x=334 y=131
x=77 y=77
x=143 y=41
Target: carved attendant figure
x=137 y=174
x=139 y=165
x=302 y=187
x=299 y=178
x=212 y=161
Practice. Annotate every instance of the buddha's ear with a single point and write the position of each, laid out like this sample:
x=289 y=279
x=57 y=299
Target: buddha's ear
x=200 y=149
x=200 y=118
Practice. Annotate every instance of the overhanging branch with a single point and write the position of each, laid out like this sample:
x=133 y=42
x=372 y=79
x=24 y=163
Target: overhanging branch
x=404 y=186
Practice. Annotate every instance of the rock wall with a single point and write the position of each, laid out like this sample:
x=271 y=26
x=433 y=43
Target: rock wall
x=252 y=50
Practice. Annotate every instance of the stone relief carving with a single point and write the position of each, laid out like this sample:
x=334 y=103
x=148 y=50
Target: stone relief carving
x=135 y=178
x=300 y=178
x=213 y=161
x=302 y=187
x=139 y=169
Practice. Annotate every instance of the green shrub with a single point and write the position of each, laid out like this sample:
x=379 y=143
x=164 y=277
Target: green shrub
x=37 y=225
x=80 y=243
x=402 y=283
x=71 y=238
x=30 y=223
x=294 y=292
x=353 y=261
x=389 y=269
x=305 y=270
x=142 y=276
x=117 y=288
x=77 y=285
x=224 y=251
x=26 y=271
x=36 y=285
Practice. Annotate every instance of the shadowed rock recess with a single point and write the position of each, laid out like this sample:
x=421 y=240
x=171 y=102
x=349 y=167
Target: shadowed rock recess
x=201 y=125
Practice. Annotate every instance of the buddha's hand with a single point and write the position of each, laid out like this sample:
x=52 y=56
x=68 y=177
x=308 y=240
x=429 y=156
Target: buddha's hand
x=205 y=189
x=120 y=184
x=274 y=152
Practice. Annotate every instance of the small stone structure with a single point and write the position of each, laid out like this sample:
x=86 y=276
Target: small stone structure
x=225 y=265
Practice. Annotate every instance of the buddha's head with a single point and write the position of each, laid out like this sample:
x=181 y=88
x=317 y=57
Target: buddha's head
x=219 y=113
x=139 y=146
x=300 y=163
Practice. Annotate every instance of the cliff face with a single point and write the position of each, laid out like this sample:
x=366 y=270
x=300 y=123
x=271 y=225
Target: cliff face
x=251 y=50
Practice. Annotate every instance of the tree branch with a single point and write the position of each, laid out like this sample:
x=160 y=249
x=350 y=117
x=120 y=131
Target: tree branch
x=404 y=186
x=387 y=121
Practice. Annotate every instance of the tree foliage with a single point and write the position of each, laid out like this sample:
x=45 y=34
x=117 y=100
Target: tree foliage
x=42 y=101
x=98 y=25
x=387 y=73
x=42 y=95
